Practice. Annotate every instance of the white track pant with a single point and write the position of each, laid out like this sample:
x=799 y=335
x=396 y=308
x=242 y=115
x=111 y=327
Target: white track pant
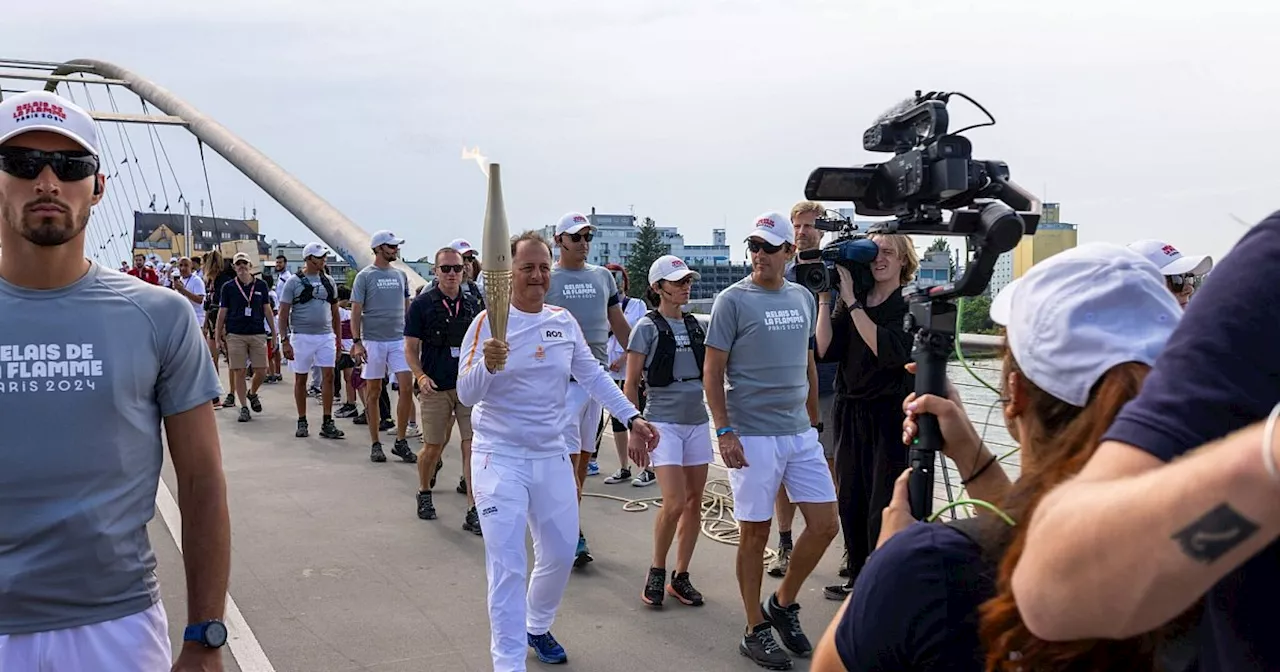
x=514 y=494
x=135 y=643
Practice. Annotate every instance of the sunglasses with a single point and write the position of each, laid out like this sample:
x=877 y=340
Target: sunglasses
x=450 y=268
x=1182 y=283
x=756 y=246
x=575 y=237
x=27 y=164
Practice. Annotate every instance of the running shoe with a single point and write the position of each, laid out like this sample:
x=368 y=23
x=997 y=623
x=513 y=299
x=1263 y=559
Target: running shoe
x=328 y=430
x=763 y=650
x=654 y=587
x=683 y=590
x=786 y=620
x=547 y=648
x=376 y=454
x=426 y=508
x=583 y=555
x=593 y=469
x=401 y=450
x=255 y=402
x=472 y=523
x=302 y=428
x=781 y=560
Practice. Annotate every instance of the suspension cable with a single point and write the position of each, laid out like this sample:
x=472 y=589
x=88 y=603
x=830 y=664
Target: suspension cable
x=155 y=155
x=112 y=182
x=125 y=143
x=208 y=191
x=173 y=174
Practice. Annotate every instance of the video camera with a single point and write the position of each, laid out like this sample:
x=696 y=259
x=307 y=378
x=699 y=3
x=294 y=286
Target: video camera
x=816 y=269
x=931 y=171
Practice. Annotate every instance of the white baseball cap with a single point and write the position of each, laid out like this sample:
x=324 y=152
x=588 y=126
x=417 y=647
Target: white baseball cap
x=241 y=256
x=774 y=228
x=572 y=222
x=671 y=268
x=315 y=250
x=44 y=111
x=385 y=237
x=1079 y=313
x=1169 y=260
x=461 y=246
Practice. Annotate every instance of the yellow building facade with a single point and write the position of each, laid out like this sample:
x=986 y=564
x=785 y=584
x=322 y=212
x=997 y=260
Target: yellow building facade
x=1050 y=239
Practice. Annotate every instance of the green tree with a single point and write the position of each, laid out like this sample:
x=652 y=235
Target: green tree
x=647 y=248
x=975 y=317
x=942 y=245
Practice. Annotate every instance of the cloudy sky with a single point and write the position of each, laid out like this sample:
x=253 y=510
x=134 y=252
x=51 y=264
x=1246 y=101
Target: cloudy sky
x=1133 y=115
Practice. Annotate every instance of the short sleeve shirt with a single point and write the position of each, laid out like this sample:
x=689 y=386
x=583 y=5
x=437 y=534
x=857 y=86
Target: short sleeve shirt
x=587 y=293
x=381 y=293
x=681 y=402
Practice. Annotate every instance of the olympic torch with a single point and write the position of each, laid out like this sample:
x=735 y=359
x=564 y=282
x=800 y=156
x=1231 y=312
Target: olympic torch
x=497 y=257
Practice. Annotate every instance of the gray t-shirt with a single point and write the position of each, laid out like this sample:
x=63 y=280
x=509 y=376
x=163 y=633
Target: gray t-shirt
x=680 y=402
x=314 y=316
x=767 y=335
x=91 y=370
x=381 y=293
x=587 y=294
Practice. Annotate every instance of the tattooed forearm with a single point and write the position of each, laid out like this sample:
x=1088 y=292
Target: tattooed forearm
x=1215 y=534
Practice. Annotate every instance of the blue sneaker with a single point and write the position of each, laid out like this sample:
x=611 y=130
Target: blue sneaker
x=583 y=554
x=593 y=469
x=548 y=649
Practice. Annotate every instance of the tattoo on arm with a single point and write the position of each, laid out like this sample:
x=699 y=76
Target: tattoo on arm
x=1215 y=534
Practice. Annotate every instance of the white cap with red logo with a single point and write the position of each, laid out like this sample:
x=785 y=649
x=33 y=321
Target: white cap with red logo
x=44 y=111
x=315 y=250
x=572 y=223
x=671 y=268
x=461 y=246
x=1169 y=260
x=774 y=228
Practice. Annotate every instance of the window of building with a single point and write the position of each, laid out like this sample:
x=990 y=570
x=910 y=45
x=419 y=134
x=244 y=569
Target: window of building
x=226 y=235
x=206 y=234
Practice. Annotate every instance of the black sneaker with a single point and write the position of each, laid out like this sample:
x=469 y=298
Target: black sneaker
x=684 y=591
x=583 y=554
x=401 y=450
x=256 y=403
x=328 y=430
x=426 y=508
x=786 y=620
x=838 y=592
x=230 y=401
x=439 y=466
x=302 y=428
x=345 y=411
x=376 y=454
x=472 y=524
x=385 y=425
x=462 y=485
x=359 y=419
x=844 y=565
x=654 y=587
x=763 y=650
x=244 y=414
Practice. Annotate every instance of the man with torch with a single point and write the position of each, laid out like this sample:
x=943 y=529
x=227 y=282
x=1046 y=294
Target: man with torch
x=517 y=358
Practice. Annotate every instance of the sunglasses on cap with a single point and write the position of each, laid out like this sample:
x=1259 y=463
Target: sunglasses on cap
x=450 y=268
x=27 y=164
x=758 y=245
x=575 y=237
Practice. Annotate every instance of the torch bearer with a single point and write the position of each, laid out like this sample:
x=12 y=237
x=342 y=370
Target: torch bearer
x=497 y=257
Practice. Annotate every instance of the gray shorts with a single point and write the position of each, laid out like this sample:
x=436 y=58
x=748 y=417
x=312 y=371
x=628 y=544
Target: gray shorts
x=828 y=436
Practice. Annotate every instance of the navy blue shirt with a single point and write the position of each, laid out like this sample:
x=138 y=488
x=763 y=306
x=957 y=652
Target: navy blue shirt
x=1220 y=372
x=234 y=297
x=915 y=604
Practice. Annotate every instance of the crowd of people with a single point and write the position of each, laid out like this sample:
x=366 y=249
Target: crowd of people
x=1140 y=533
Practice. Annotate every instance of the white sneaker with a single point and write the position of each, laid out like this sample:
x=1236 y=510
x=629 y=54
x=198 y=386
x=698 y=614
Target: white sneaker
x=646 y=477
x=413 y=430
x=618 y=476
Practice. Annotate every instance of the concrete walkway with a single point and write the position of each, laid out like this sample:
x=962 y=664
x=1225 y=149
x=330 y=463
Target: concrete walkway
x=333 y=570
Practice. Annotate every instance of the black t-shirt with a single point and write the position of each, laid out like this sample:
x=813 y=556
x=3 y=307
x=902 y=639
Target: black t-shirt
x=862 y=374
x=431 y=312
x=915 y=604
x=213 y=290
x=238 y=298
x=1220 y=372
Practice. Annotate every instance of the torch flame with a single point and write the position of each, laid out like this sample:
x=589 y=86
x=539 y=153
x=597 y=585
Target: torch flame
x=475 y=155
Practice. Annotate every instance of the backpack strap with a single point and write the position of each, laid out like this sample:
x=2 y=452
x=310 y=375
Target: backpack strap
x=697 y=339
x=329 y=292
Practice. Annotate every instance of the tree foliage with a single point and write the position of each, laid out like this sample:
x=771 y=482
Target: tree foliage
x=647 y=248
x=975 y=317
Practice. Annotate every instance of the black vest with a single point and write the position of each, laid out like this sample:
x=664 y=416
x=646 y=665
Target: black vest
x=308 y=289
x=443 y=329
x=661 y=371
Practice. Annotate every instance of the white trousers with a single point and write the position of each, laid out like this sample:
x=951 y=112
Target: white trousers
x=135 y=643
x=582 y=419
x=514 y=494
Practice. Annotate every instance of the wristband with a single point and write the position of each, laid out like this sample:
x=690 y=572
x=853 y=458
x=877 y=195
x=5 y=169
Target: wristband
x=724 y=430
x=979 y=471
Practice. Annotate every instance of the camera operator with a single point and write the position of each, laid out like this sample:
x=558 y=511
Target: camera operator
x=865 y=334
x=1154 y=522
x=808 y=237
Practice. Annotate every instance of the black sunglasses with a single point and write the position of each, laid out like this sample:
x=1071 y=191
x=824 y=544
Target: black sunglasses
x=575 y=237
x=450 y=268
x=27 y=164
x=756 y=246
x=1179 y=283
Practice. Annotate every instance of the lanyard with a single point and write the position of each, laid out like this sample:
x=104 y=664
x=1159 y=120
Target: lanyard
x=457 y=306
x=248 y=298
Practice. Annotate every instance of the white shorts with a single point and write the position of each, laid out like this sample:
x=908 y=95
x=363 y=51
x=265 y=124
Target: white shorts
x=795 y=461
x=383 y=357
x=313 y=350
x=682 y=445
x=582 y=419
x=135 y=643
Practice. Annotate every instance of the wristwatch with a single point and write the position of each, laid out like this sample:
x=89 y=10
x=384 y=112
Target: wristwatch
x=210 y=634
x=635 y=417
x=818 y=427
x=356 y=340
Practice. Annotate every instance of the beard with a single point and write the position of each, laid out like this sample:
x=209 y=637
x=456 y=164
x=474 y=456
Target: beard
x=53 y=230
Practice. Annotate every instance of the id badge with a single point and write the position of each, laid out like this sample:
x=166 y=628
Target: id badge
x=248 y=312
x=455 y=352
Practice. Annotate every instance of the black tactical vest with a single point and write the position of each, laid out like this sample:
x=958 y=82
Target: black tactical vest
x=661 y=371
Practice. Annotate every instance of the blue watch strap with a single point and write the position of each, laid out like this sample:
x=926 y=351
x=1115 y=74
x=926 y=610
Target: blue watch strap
x=724 y=430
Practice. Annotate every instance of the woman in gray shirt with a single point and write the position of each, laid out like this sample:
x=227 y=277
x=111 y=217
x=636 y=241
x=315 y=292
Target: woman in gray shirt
x=666 y=352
